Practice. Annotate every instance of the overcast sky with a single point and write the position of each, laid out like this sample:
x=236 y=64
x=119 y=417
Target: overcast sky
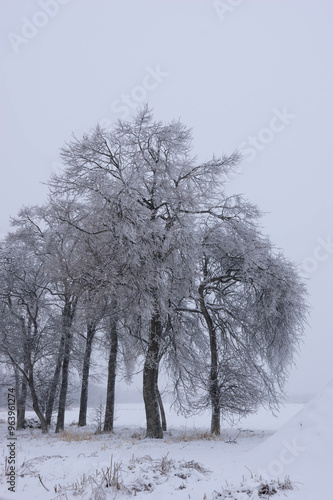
x=254 y=75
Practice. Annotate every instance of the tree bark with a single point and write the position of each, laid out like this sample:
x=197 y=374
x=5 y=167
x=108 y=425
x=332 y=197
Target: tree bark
x=29 y=377
x=64 y=386
x=28 y=371
x=214 y=390
x=150 y=378
x=35 y=403
x=112 y=368
x=161 y=407
x=55 y=382
x=22 y=391
x=67 y=319
x=91 y=330
x=21 y=400
x=215 y=427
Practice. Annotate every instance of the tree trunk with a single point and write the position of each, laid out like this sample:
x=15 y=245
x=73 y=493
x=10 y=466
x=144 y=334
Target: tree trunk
x=91 y=330
x=161 y=407
x=35 y=403
x=215 y=427
x=150 y=377
x=17 y=389
x=112 y=366
x=55 y=382
x=22 y=393
x=68 y=315
x=21 y=400
x=28 y=375
x=64 y=385
x=214 y=390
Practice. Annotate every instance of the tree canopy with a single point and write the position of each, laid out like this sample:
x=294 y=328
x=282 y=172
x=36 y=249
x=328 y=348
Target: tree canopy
x=141 y=241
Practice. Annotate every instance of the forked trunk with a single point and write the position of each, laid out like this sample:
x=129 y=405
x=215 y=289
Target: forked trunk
x=35 y=403
x=214 y=390
x=68 y=316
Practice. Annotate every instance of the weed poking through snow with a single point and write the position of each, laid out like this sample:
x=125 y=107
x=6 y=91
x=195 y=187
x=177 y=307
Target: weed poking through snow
x=254 y=488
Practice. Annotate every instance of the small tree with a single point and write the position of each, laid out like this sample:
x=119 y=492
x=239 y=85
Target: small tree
x=254 y=307
x=58 y=247
x=25 y=336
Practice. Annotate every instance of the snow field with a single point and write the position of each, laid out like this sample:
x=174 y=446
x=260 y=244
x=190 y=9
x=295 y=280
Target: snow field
x=186 y=464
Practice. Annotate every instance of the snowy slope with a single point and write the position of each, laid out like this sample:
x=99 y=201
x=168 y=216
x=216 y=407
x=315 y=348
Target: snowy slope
x=302 y=449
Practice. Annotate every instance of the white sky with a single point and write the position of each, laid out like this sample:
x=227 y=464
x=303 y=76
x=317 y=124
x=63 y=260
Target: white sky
x=226 y=70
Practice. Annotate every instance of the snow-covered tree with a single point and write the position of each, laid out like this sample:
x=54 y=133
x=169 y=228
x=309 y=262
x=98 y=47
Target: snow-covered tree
x=254 y=307
x=186 y=260
x=148 y=194
x=58 y=247
x=27 y=339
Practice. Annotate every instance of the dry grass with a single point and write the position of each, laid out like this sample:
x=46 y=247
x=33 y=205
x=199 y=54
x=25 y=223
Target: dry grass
x=138 y=435
x=286 y=485
x=109 y=478
x=72 y=435
x=194 y=465
x=257 y=487
x=195 y=435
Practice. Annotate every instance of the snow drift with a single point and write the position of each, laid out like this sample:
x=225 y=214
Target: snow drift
x=302 y=449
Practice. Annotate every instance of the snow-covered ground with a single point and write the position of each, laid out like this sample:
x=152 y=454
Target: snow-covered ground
x=248 y=461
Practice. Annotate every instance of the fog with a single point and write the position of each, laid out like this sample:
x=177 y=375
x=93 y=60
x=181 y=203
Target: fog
x=255 y=76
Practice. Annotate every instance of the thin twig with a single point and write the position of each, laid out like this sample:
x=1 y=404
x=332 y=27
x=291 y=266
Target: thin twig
x=38 y=475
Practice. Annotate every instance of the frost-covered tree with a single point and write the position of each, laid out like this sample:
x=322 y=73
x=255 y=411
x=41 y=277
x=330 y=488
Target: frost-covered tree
x=254 y=308
x=243 y=323
x=107 y=294
x=186 y=261
x=26 y=337
x=148 y=194
x=59 y=248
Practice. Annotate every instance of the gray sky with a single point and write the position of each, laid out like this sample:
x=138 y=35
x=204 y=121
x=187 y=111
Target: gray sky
x=255 y=75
